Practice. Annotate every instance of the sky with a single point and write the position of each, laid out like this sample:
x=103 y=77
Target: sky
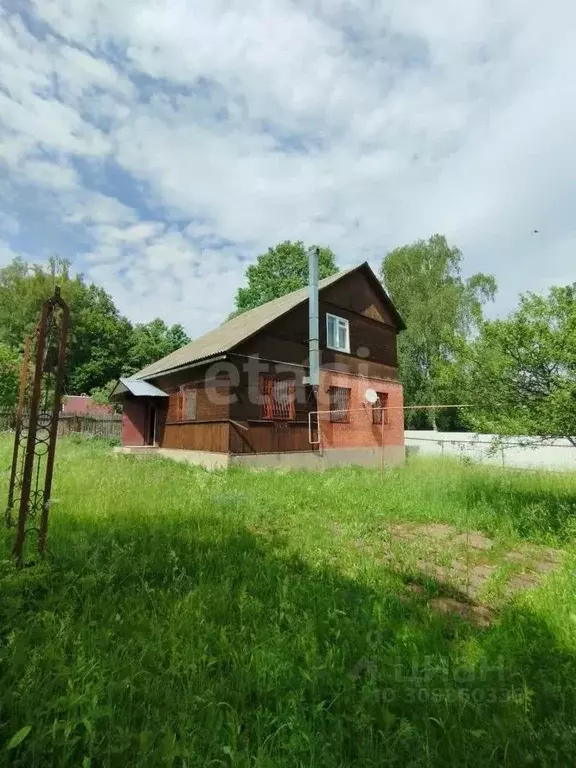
x=161 y=146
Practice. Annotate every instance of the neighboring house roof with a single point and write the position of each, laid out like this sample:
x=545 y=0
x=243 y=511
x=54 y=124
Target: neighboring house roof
x=238 y=329
x=136 y=388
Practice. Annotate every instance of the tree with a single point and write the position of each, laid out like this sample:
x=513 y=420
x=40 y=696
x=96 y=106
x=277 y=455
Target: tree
x=441 y=311
x=150 y=342
x=101 y=395
x=521 y=371
x=9 y=376
x=281 y=270
x=99 y=336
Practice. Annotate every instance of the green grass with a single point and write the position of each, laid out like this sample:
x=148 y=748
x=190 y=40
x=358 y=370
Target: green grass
x=249 y=619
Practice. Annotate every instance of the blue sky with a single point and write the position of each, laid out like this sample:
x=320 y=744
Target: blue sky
x=162 y=146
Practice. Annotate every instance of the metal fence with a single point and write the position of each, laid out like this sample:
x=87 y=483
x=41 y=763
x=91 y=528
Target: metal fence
x=106 y=425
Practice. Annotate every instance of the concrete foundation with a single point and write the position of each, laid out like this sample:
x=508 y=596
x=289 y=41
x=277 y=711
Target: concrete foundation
x=314 y=460
x=206 y=459
x=394 y=455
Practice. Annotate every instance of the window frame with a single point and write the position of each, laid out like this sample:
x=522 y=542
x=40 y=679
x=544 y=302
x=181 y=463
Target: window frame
x=339 y=415
x=338 y=319
x=270 y=407
x=183 y=403
x=380 y=407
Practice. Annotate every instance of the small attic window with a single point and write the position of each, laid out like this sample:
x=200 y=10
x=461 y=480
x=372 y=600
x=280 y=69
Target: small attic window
x=337 y=333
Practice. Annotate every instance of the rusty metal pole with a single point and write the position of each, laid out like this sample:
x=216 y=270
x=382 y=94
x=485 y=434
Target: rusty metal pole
x=382 y=439
x=31 y=441
x=35 y=484
x=18 y=431
x=54 y=426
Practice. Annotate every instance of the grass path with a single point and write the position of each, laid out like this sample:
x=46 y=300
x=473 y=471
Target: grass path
x=253 y=620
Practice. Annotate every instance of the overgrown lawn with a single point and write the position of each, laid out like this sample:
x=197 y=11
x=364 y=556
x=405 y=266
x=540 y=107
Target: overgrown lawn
x=247 y=619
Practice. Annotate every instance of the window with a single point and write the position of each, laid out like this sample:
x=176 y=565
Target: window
x=277 y=398
x=190 y=404
x=380 y=409
x=339 y=404
x=337 y=333
x=186 y=404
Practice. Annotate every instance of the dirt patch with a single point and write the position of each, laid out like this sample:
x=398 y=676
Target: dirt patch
x=544 y=566
x=432 y=569
x=521 y=582
x=433 y=543
x=479 y=615
x=405 y=531
x=516 y=556
x=415 y=589
x=553 y=555
x=482 y=572
x=436 y=530
x=537 y=561
x=476 y=540
x=477 y=578
x=411 y=531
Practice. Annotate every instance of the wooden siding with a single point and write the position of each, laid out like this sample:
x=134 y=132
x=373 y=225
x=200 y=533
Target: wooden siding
x=212 y=401
x=205 y=436
x=369 y=341
x=209 y=431
x=356 y=294
x=245 y=404
x=287 y=340
x=269 y=437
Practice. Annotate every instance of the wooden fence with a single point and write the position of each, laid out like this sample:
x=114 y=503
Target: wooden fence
x=107 y=425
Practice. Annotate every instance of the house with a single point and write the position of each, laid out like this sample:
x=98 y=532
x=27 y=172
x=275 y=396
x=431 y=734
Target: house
x=238 y=395
x=83 y=405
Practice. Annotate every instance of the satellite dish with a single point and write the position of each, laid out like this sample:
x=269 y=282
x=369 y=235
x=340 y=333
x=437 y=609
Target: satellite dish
x=371 y=396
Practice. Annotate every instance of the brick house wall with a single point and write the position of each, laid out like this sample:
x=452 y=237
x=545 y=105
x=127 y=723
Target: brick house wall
x=360 y=431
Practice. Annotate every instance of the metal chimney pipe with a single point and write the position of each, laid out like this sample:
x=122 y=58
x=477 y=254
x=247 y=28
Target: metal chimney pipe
x=314 y=318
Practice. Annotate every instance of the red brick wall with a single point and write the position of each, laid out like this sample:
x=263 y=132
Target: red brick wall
x=359 y=431
x=133 y=422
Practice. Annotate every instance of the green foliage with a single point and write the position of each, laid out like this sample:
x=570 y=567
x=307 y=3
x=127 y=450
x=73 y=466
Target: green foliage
x=101 y=395
x=9 y=376
x=99 y=336
x=102 y=344
x=150 y=342
x=84 y=438
x=521 y=372
x=249 y=619
x=19 y=737
x=441 y=310
x=281 y=270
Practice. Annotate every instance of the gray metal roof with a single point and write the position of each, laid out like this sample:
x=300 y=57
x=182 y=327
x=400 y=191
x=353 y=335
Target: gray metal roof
x=137 y=388
x=230 y=334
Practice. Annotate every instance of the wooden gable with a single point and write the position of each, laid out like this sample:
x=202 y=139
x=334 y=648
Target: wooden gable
x=356 y=293
x=374 y=325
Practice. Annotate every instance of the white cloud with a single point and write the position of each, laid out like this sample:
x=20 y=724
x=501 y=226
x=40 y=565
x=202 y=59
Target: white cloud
x=6 y=253
x=9 y=225
x=155 y=133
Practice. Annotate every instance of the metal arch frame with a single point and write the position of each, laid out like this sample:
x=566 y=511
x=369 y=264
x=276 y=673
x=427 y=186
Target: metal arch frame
x=16 y=476
x=39 y=500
